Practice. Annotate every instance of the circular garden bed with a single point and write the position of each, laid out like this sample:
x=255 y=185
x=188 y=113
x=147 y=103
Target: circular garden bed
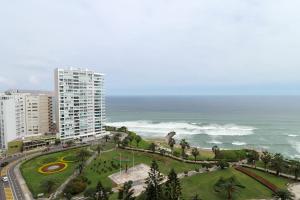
x=53 y=167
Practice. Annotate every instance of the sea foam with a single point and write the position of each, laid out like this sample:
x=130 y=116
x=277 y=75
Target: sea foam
x=160 y=129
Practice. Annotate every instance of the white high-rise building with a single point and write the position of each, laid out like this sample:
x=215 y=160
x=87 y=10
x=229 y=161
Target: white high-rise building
x=80 y=104
x=24 y=114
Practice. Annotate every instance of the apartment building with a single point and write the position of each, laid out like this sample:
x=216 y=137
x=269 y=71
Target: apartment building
x=80 y=112
x=24 y=114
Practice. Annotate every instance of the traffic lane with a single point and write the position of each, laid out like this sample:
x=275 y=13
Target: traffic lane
x=2 y=194
x=14 y=183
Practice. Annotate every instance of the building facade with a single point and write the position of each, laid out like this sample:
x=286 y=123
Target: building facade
x=24 y=114
x=80 y=112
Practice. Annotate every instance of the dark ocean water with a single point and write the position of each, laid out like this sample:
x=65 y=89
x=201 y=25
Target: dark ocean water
x=261 y=122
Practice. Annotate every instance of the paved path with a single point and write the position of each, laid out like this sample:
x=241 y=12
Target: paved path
x=295 y=188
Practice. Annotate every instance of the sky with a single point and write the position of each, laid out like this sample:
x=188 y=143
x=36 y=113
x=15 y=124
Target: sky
x=155 y=47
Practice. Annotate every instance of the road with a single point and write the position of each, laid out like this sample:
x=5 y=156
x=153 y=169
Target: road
x=11 y=190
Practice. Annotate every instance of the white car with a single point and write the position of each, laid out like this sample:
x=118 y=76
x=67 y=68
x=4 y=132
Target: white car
x=4 y=179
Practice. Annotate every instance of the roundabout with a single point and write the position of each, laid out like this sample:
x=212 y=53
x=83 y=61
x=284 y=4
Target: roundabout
x=53 y=167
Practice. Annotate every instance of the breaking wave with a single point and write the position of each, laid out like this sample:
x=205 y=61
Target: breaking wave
x=160 y=129
x=237 y=143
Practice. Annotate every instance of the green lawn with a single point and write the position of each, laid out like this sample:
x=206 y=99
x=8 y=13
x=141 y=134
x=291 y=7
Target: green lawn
x=164 y=163
x=202 y=185
x=34 y=179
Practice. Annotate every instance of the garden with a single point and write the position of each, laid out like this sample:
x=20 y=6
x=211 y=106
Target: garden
x=44 y=170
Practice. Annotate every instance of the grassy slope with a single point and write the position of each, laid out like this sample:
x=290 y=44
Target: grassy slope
x=34 y=179
x=279 y=182
x=203 y=185
x=164 y=163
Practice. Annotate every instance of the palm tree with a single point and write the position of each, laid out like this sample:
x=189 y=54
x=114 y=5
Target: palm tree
x=172 y=186
x=138 y=139
x=82 y=156
x=171 y=143
x=126 y=192
x=152 y=147
x=216 y=150
x=117 y=139
x=277 y=163
x=48 y=185
x=266 y=158
x=295 y=168
x=283 y=195
x=106 y=137
x=99 y=148
x=229 y=186
x=184 y=144
x=195 y=153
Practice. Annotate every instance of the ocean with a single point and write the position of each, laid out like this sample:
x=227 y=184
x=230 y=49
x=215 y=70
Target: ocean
x=259 y=122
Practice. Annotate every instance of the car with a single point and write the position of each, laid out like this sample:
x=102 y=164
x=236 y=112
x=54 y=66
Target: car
x=4 y=164
x=4 y=179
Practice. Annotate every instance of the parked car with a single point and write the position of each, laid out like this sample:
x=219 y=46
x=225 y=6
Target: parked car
x=4 y=164
x=4 y=179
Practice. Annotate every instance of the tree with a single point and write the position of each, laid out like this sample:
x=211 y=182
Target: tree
x=70 y=142
x=117 y=139
x=252 y=157
x=82 y=156
x=172 y=186
x=153 y=188
x=101 y=192
x=99 y=148
x=184 y=144
x=57 y=141
x=215 y=149
x=229 y=186
x=130 y=138
x=266 y=158
x=152 y=147
x=106 y=137
x=283 y=194
x=277 y=163
x=222 y=164
x=295 y=168
x=48 y=185
x=138 y=139
x=126 y=192
x=195 y=153
x=125 y=142
x=171 y=143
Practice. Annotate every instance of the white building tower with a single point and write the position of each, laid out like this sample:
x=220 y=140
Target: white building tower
x=80 y=104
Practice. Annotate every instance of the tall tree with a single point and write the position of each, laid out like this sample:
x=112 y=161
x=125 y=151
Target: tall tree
x=138 y=139
x=117 y=139
x=277 y=163
x=126 y=192
x=266 y=158
x=171 y=143
x=229 y=186
x=106 y=137
x=283 y=195
x=252 y=157
x=216 y=150
x=195 y=153
x=152 y=147
x=48 y=185
x=82 y=155
x=101 y=192
x=153 y=188
x=172 y=186
x=295 y=168
x=99 y=148
x=184 y=145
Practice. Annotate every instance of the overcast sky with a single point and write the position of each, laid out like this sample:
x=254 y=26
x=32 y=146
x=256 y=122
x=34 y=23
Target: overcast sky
x=154 y=46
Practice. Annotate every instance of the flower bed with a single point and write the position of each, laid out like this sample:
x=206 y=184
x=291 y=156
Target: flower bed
x=53 y=167
x=260 y=179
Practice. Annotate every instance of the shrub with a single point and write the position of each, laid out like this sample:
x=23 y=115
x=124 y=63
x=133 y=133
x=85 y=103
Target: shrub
x=76 y=185
x=222 y=164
